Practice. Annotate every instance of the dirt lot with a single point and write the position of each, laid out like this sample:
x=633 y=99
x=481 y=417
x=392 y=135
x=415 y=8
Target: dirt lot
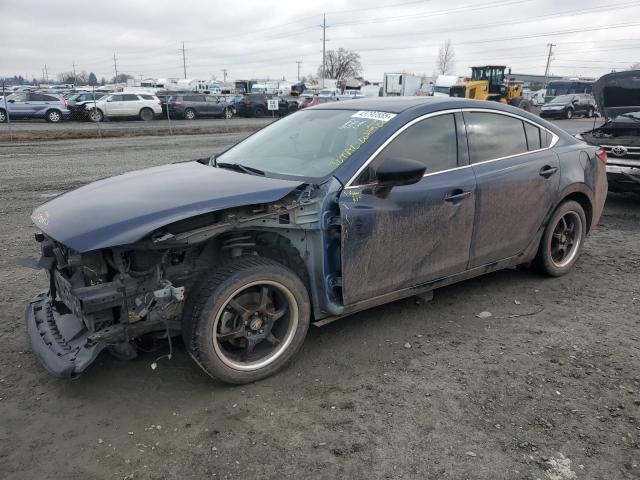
x=546 y=388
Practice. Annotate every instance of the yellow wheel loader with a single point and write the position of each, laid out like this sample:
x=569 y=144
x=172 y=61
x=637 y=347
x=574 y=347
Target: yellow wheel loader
x=488 y=83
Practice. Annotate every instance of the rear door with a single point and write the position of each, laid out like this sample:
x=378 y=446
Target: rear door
x=131 y=105
x=411 y=234
x=517 y=182
x=215 y=104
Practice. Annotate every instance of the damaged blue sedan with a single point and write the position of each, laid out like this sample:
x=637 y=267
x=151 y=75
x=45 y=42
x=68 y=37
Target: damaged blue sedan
x=327 y=212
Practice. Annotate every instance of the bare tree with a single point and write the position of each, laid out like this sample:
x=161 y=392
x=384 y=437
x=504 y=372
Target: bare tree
x=341 y=64
x=446 y=58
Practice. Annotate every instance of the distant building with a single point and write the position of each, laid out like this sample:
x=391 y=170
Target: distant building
x=532 y=82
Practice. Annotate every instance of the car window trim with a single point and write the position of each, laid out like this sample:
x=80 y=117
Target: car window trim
x=554 y=140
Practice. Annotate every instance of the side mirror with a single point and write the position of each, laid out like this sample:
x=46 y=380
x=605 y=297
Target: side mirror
x=11 y=101
x=394 y=172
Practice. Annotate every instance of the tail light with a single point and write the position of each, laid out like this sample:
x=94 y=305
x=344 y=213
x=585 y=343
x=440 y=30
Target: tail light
x=64 y=101
x=601 y=154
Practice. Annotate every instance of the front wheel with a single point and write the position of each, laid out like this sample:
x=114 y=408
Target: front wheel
x=146 y=115
x=569 y=113
x=247 y=320
x=562 y=240
x=190 y=114
x=3 y=116
x=96 y=115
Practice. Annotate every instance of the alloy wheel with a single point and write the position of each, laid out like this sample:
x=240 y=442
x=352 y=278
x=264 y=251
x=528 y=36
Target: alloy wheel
x=566 y=239
x=255 y=325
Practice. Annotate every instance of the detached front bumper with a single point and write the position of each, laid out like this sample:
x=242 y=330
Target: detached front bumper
x=60 y=341
x=623 y=178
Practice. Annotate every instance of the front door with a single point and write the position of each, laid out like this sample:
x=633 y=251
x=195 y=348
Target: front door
x=518 y=178
x=411 y=234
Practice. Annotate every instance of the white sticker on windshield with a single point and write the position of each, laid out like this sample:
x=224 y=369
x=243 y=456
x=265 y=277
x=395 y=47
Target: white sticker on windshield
x=371 y=115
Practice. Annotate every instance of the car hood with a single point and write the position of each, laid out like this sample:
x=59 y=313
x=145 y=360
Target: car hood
x=618 y=93
x=123 y=209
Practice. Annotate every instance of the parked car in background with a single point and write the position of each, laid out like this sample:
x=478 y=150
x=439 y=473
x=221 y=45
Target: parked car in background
x=618 y=98
x=191 y=106
x=76 y=102
x=255 y=105
x=567 y=106
x=313 y=101
x=142 y=105
x=50 y=106
x=330 y=211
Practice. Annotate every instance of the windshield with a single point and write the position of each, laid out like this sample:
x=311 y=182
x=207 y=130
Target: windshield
x=628 y=117
x=307 y=144
x=562 y=99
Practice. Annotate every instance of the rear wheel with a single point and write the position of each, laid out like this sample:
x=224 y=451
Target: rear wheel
x=569 y=113
x=260 y=112
x=3 y=116
x=53 y=116
x=146 y=115
x=562 y=240
x=190 y=114
x=521 y=102
x=247 y=320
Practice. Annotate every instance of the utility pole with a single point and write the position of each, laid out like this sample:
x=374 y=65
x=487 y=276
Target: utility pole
x=546 y=71
x=75 y=77
x=184 y=62
x=46 y=73
x=224 y=75
x=115 y=67
x=299 y=62
x=324 y=41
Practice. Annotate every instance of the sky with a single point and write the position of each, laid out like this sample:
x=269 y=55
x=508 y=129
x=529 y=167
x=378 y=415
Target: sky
x=263 y=39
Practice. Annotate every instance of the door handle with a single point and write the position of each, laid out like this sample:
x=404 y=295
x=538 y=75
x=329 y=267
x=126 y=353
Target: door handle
x=456 y=196
x=547 y=171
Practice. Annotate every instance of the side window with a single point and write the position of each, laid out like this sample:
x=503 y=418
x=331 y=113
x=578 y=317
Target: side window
x=19 y=97
x=116 y=98
x=432 y=141
x=546 y=138
x=147 y=97
x=533 y=136
x=493 y=135
x=130 y=98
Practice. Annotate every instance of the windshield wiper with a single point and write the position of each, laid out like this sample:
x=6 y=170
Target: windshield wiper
x=241 y=168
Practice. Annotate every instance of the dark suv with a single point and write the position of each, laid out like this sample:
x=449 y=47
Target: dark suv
x=567 y=106
x=255 y=105
x=193 y=105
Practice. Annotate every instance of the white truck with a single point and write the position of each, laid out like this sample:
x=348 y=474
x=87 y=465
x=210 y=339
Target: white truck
x=401 y=84
x=443 y=85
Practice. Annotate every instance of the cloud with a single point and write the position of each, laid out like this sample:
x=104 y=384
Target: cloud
x=265 y=39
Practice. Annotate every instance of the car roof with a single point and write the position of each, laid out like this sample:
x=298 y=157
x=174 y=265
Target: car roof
x=402 y=104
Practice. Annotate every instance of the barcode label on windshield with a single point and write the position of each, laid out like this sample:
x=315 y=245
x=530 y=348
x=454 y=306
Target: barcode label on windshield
x=371 y=115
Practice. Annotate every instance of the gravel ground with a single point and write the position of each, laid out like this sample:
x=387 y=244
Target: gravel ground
x=548 y=387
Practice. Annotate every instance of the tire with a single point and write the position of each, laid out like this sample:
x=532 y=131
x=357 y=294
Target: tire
x=521 y=102
x=96 y=115
x=260 y=112
x=146 y=115
x=569 y=113
x=3 y=116
x=553 y=258
x=53 y=116
x=218 y=330
x=590 y=112
x=190 y=114
x=228 y=113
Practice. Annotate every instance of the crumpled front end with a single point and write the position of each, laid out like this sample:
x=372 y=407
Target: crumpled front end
x=97 y=300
